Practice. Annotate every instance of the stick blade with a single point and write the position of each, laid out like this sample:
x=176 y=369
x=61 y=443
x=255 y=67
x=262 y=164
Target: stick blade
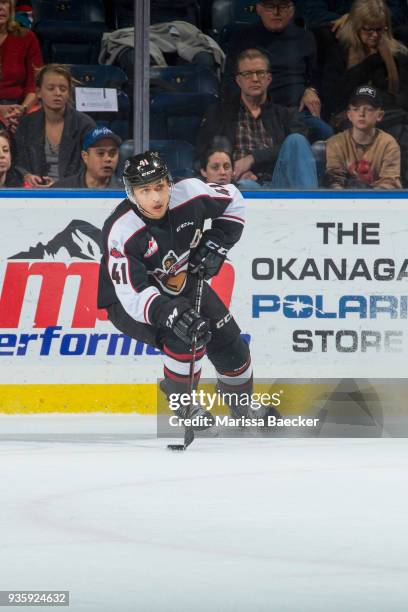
x=188 y=436
x=176 y=447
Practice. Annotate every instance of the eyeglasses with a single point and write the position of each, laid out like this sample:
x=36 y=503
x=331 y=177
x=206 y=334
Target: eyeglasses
x=371 y=31
x=281 y=7
x=249 y=74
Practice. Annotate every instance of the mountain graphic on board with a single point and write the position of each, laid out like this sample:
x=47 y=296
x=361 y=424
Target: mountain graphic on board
x=79 y=239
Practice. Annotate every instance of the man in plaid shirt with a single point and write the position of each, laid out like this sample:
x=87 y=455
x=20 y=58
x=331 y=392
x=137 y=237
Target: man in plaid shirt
x=268 y=141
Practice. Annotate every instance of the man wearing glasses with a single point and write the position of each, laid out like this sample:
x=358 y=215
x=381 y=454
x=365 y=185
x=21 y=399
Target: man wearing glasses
x=292 y=55
x=268 y=143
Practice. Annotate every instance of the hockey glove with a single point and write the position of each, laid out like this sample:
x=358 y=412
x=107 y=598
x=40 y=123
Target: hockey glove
x=178 y=316
x=209 y=256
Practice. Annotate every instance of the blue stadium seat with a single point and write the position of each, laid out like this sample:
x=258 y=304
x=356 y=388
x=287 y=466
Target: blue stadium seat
x=69 y=10
x=319 y=152
x=244 y=11
x=188 y=78
x=177 y=116
x=69 y=31
x=221 y=14
x=107 y=76
x=123 y=17
x=70 y=42
x=225 y=12
x=178 y=155
x=99 y=76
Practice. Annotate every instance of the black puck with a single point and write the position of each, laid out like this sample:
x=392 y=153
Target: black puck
x=176 y=447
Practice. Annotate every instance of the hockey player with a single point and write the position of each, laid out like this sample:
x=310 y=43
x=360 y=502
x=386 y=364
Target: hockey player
x=154 y=245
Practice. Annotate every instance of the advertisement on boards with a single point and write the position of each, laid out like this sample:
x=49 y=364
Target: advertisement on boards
x=318 y=286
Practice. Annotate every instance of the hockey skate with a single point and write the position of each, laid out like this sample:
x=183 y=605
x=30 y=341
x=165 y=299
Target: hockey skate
x=201 y=418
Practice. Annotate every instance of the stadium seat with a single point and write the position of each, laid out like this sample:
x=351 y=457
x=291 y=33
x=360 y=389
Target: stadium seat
x=319 y=152
x=69 y=10
x=188 y=78
x=226 y=12
x=69 y=31
x=244 y=11
x=178 y=155
x=177 y=116
x=70 y=42
x=99 y=76
x=221 y=14
x=107 y=76
x=123 y=16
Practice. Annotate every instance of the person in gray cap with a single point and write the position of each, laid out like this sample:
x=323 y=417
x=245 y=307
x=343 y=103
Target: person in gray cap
x=100 y=154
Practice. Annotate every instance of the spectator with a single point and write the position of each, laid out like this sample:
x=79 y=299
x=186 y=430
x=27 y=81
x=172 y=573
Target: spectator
x=216 y=166
x=49 y=140
x=363 y=156
x=100 y=153
x=267 y=140
x=333 y=13
x=8 y=176
x=20 y=56
x=326 y=17
x=367 y=52
x=292 y=56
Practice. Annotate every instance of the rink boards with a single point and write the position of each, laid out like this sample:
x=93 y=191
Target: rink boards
x=319 y=291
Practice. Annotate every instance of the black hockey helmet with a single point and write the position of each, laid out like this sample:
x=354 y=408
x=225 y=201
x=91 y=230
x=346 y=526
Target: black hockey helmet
x=142 y=169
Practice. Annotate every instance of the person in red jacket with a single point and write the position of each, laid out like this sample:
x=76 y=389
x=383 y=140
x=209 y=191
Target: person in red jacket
x=20 y=56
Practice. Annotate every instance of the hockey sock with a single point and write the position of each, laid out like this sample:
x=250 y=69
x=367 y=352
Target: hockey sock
x=236 y=387
x=177 y=370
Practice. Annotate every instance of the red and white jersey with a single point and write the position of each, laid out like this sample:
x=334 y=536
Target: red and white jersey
x=145 y=258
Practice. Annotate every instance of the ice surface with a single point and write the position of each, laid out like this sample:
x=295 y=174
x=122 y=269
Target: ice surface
x=96 y=505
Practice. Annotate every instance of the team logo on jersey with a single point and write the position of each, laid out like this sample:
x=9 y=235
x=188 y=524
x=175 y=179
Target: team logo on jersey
x=220 y=189
x=115 y=253
x=152 y=248
x=172 y=277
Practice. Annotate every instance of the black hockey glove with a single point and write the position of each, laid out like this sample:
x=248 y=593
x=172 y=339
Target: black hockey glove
x=178 y=316
x=209 y=256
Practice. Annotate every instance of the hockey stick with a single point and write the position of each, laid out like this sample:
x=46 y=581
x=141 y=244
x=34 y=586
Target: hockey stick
x=189 y=431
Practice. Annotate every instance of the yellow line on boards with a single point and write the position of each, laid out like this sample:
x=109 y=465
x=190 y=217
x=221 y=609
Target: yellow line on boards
x=78 y=398
x=122 y=398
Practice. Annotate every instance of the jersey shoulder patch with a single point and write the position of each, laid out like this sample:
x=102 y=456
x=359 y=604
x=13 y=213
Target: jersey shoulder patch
x=193 y=188
x=124 y=228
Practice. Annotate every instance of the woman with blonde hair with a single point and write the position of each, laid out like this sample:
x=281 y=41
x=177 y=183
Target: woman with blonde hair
x=366 y=53
x=20 y=56
x=49 y=140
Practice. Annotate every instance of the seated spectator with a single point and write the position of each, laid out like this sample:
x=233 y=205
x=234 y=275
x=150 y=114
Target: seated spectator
x=20 y=56
x=8 y=176
x=292 y=56
x=334 y=13
x=100 y=153
x=216 y=166
x=363 y=156
x=48 y=141
x=367 y=52
x=268 y=142
x=326 y=18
